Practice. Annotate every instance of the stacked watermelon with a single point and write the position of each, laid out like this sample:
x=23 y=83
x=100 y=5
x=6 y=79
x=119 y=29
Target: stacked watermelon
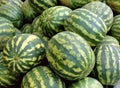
x=59 y=44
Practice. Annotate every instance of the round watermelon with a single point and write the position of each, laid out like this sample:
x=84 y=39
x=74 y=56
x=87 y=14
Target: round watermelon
x=107 y=55
x=87 y=24
x=70 y=56
x=23 y=52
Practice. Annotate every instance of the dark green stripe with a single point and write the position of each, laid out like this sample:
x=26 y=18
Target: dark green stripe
x=44 y=71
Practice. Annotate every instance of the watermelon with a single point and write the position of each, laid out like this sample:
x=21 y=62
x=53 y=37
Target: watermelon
x=51 y=20
x=75 y=3
x=115 y=29
x=7 y=31
x=70 y=56
x=86 y=24
x=87 y=82
x=102 y=10
x=40 y=5
x=13 y=13
x=107 y=55
x=41 y=77
x=23 y=52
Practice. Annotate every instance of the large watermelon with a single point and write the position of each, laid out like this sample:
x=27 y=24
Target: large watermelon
x=70 y=56
x=51 y=20
x=102 y=10
x=87 y=24
x=108 y=61
x=23 y=52
x=41 y=77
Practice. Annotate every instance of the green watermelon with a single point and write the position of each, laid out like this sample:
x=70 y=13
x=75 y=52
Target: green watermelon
x=86 y=24
x=40 y=5
x=23 y=52
x=41 y=77
x=13 y=13
x=102 y=10
x=107 y=55
x=51 y=20
x=115 y=29
x=75 y=3
x=70 y=56
x=7 y=31
x=87 y=82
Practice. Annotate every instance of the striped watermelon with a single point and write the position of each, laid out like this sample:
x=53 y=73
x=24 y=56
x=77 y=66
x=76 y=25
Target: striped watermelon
x=41 y=77
x=13 y=13
x=86 y=82
x=51 y=20
x=23 y=52
x=87 y=24
x=7 y=31
x=28 y=11
x=70 y=56
x=108 y=61
x=102 y=10
x=75 y=3
x=7 y=77
x=41 y=5
x=114 y=4
x=115 y=29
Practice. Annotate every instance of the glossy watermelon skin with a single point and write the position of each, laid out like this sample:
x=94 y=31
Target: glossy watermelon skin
x=87 y=82
x=7 y=77
x=102 y=10
x=115 y=29
x=7 y=31
x=86 y=24
x=70 y=56
x=40 y=5
x=107 y=55
x=23 y=52
x=13 y=13
x=41 y=77
x=51 y=20
x=75 y=3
